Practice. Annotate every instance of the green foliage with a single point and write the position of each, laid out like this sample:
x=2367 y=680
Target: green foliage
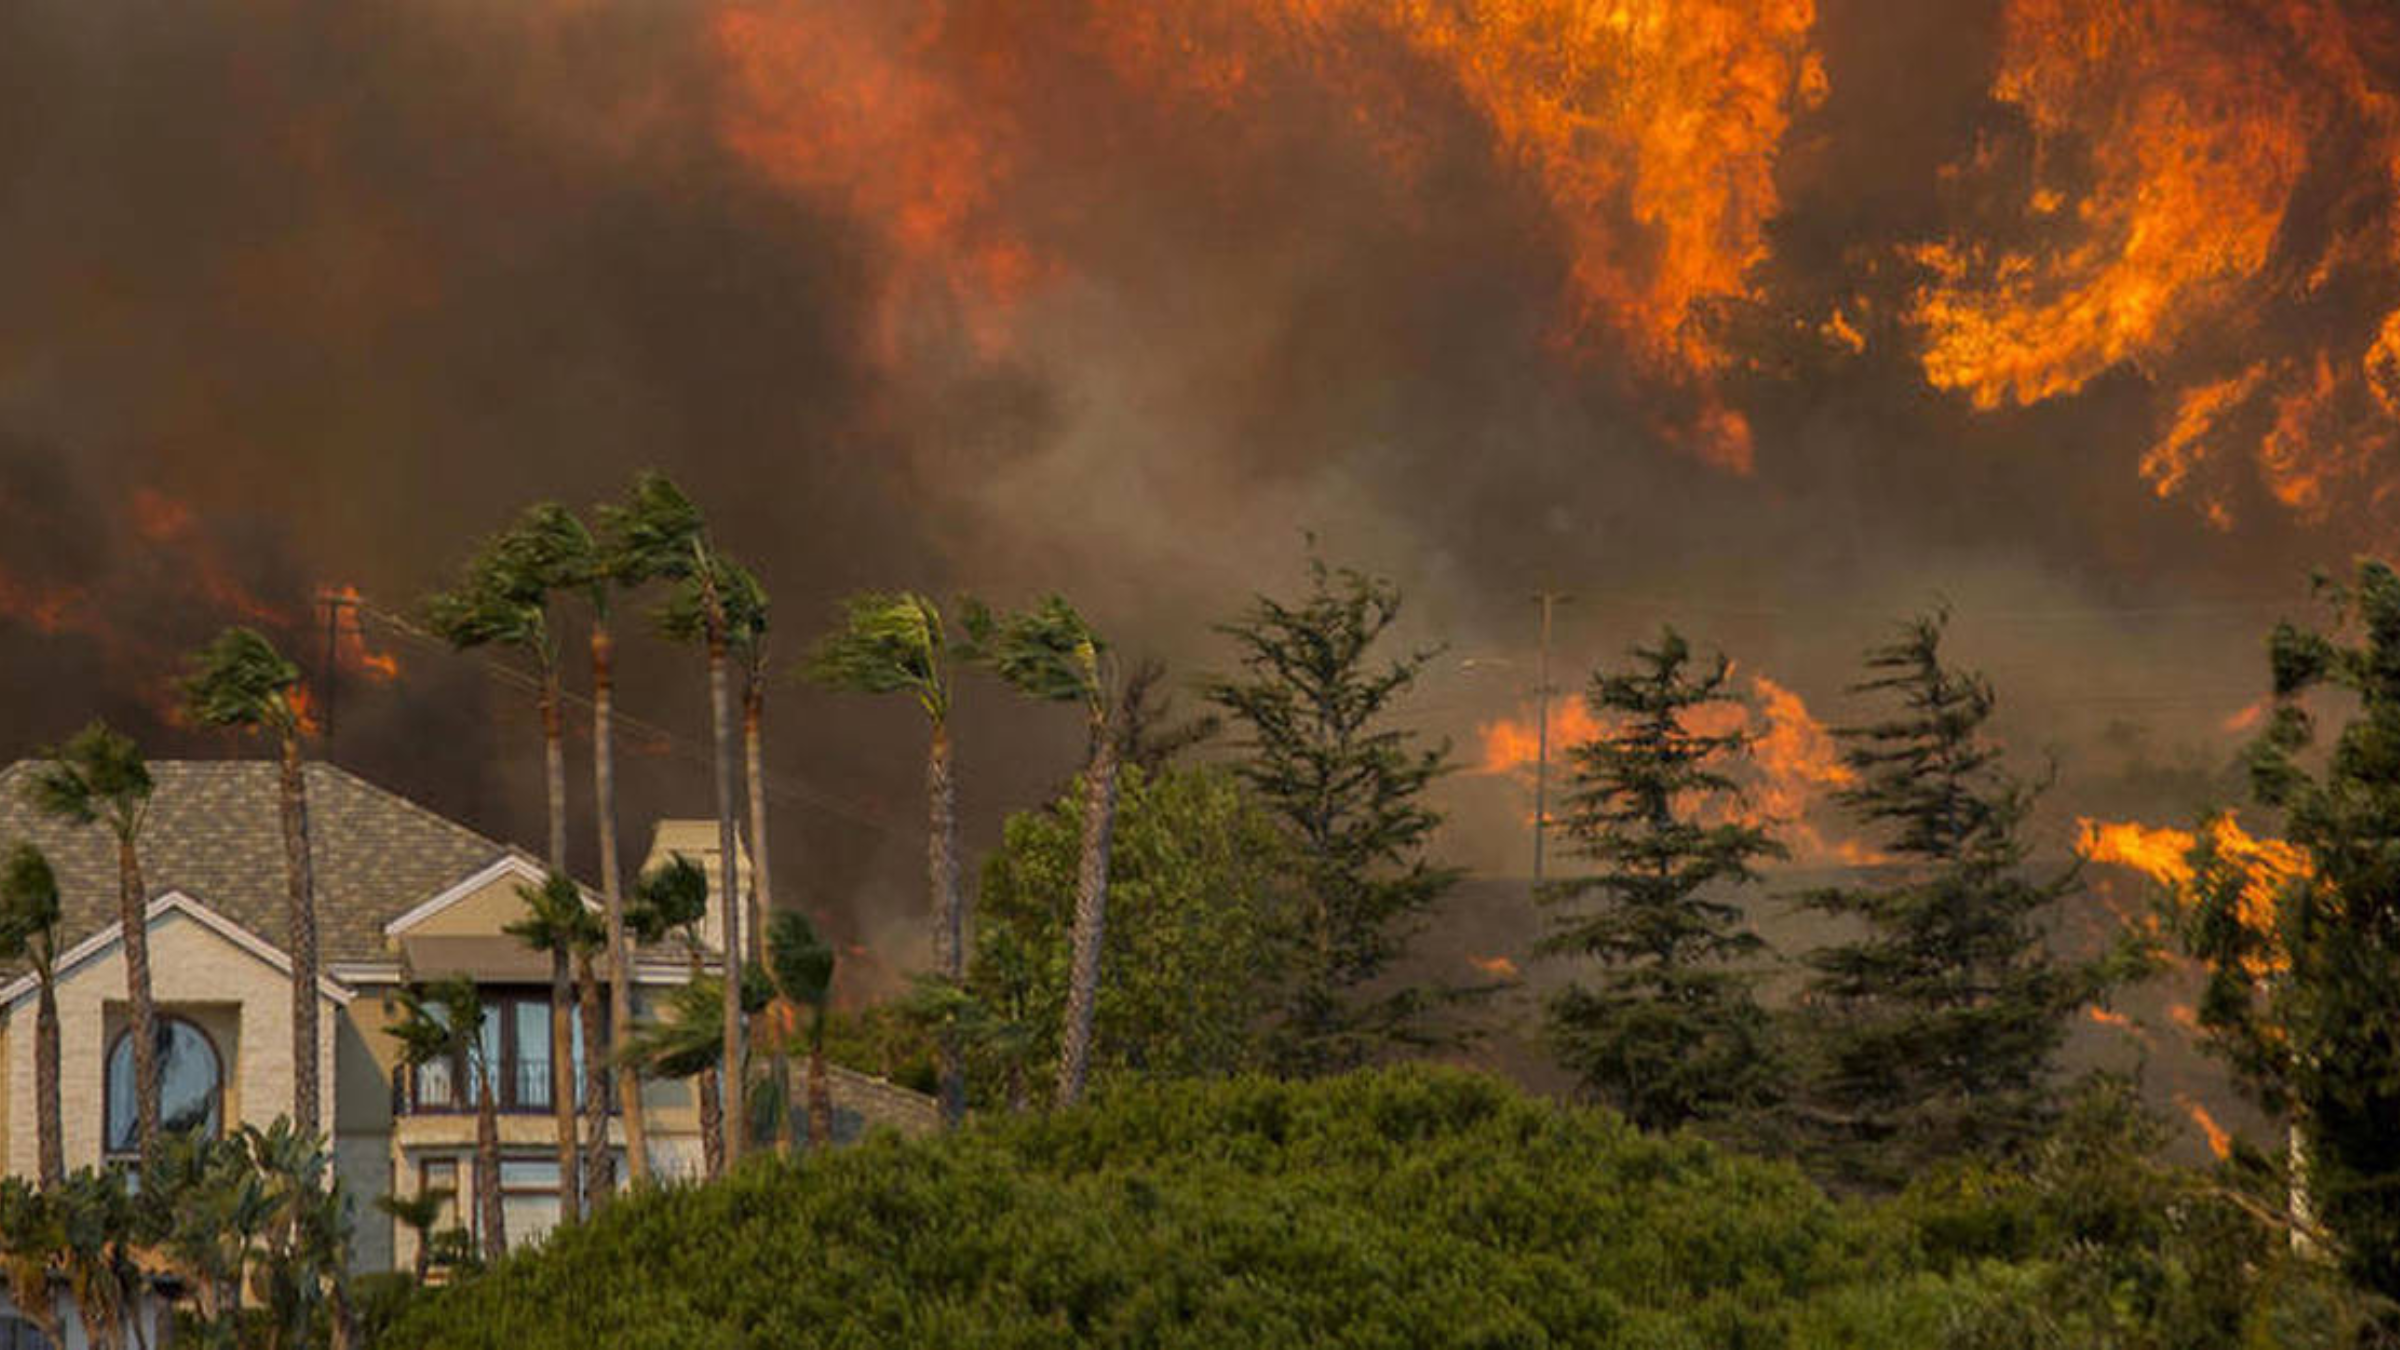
x=503 y=591
x=240 y=680
x=1939 y=1027
x=1047 y=652
x=1348 y=787
x=669 y=898
x=1669 y=1032
x=97 y=776
x=438 y=1019
x=1197 y=899
x=29 y=908
x=1412 y=1207
x=2303 y=997
x=799 y=962
x=887 y=642
x=557 y=920
x=690 y=1038
x=255 y=1226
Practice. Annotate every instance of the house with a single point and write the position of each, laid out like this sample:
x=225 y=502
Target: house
x=401 y=892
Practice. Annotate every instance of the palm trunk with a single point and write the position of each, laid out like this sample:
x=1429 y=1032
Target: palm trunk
x=949 y=914
x=300 y=901
x=730 y=902
x=712 y=1116
x=820 y=1090
x=762 y=895
x=620 y=955
x=487 y=1168
x=562 y=1084
x=709 y=1084
x=1091 y=915
x=140 y=1010
x=45 y=1082
x=554 y=767
x=599 y=1166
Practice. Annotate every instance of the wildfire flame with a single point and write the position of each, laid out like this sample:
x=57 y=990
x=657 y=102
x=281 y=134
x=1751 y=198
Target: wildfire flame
x=1650 y=130
x=2174 y=148
x=1498 y=967
x=2220 y=1141
x=2108 y=1017
x=350 y=649
x=1794 y=761
x=2265 y=867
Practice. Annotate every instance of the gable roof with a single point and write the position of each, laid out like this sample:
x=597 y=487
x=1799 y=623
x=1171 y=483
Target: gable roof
x=106 y=939
x=215 y=833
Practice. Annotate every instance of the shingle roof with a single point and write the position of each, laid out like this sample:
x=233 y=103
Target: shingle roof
x=215 y=832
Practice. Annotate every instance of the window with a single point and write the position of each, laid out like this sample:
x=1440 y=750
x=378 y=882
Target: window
x=191 y=1085
x=18 y=1334
x=440 y=1174
x=516 y=1041
x=528 y=1197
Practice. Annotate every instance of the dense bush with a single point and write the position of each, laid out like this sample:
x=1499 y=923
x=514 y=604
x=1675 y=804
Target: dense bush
x=1404 y=1208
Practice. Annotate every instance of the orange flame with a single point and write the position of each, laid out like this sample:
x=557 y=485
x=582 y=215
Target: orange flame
x=1794 y=762
x=2171 y=145
x=2220 y=1142
x=2108 y=1017
x=350 y=648
x=1498 y=967
x=2265 y=867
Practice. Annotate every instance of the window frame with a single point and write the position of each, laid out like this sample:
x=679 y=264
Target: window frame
x=160 y=1018
x=501 y=1004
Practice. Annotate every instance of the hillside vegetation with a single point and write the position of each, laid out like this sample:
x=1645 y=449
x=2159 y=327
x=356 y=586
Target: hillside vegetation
x=1410 y=1207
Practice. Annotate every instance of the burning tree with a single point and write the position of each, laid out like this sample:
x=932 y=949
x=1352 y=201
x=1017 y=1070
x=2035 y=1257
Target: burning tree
x=1936 y=1028
x=1671 y=1033
x=2304 y=975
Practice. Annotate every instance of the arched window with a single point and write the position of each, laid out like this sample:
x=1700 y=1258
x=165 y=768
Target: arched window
x=191 y=1085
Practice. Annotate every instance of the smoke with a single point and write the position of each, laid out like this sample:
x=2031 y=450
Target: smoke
x=1123 y=300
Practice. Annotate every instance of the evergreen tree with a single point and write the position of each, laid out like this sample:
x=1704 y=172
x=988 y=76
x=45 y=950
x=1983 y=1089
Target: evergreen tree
x=1348 y=787
x=2305 y=976
x=1937 y=1027
x=1670 y=1032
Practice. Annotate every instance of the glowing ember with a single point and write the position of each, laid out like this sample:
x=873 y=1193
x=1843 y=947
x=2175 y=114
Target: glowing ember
x=2220 y=1142
x=2109 y=1018
x=1498 y=967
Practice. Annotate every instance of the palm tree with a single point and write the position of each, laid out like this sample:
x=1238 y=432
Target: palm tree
x=603 y=566
x=32 y=1234
x=240 y=680
x=890 y=643
x=29 y=931
x=1050 y=653
x=98 y=777
x=503 y=597
x=800 y=964
x=418 y=1213
x=441 y=1022
x=673 y=898
x=662 y=536
x=557 y=923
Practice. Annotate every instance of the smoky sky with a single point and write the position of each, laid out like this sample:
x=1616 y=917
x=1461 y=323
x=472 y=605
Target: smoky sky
x=356 y=282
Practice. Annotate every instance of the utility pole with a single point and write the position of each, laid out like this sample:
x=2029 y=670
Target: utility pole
x=334 y=602
x=1548 y=600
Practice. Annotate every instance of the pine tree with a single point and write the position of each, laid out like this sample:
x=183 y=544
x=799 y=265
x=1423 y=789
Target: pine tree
x=1936 y=1029
x=1669 y=1031
x=1348 y=788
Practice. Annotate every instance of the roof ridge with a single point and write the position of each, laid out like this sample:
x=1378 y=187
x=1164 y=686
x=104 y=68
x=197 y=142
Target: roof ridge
x=414 y=806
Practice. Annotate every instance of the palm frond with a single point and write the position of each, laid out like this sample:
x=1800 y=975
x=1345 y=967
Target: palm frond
x=888 y=641
x=240 y=680
x=1047 y=652
x=669 y=897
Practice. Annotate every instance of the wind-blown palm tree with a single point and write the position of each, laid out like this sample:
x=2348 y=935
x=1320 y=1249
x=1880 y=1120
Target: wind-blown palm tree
x=673 y=898
x=662 y=536
x=503 y=598
x=29 y=932
x=442 y=1022
x=1050 y=653
x=800 y=964
x=99 y=777
x=602 y=567
x=418 y=1213
x=557 y=924
x=893 y=642
x=240 y=680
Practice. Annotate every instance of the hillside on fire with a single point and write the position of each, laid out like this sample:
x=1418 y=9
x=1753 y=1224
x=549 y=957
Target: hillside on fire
x=1230 y=671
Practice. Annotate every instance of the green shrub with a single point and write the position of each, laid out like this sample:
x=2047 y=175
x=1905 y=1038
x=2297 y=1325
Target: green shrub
x=1411 y=1207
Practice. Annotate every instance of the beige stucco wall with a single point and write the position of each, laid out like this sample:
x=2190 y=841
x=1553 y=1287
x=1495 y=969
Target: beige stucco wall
x=242 y=1001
